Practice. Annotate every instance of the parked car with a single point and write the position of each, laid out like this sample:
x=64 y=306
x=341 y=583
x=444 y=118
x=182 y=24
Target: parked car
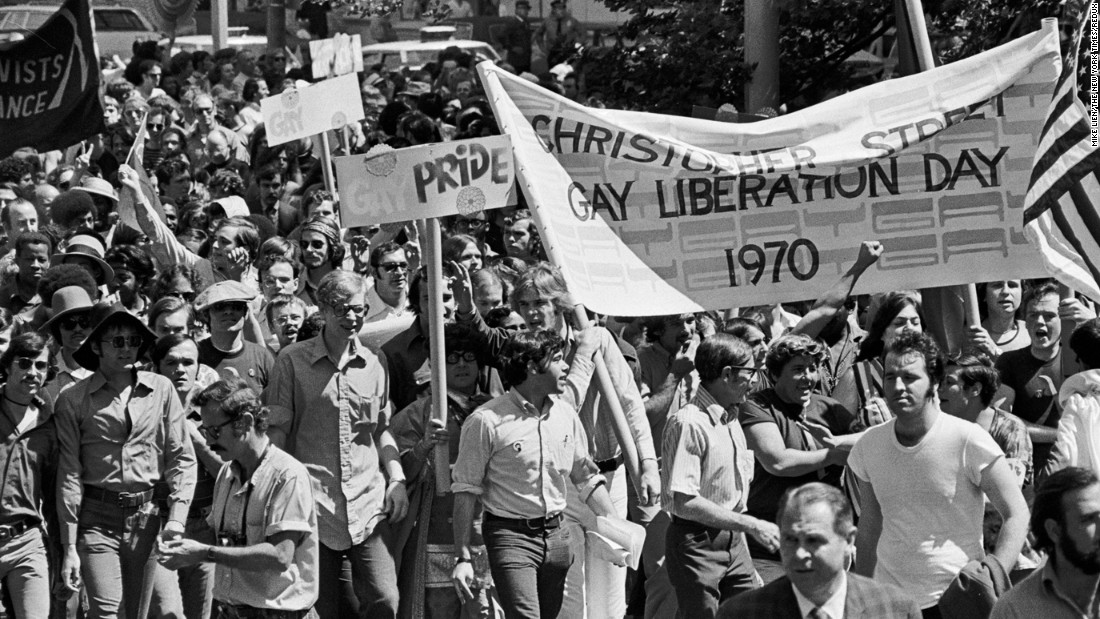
x=416 y=54
x=238 y=38
x=116 y=27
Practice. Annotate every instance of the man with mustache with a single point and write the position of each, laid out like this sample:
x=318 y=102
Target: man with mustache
x=263 y=515
x=1066 y=524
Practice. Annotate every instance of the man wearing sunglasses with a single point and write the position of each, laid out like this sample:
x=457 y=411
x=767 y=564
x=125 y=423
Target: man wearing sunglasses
x=778 y=422
x=322 y=253
x=389 y=297
x=227 y=308
x=120 y=431
x=69 y=326
x=330 y=406
x=263 y=514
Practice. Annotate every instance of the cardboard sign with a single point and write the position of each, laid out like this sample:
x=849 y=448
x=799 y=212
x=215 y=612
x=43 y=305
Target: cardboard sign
x=340 y=55
x=432 y=180
x=651 y=214
x=301 y=112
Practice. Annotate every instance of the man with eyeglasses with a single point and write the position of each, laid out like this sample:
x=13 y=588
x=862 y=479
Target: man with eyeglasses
x=263 y=515
x=330 y=407
x=227 y=306
x=777 y=423
x=705 y=483
x=120 y=431
x=389 y=310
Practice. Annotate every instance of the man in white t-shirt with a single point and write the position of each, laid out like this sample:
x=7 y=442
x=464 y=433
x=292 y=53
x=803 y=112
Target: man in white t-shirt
x=921 y=480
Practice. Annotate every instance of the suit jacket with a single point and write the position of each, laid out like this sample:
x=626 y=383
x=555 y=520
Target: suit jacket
x=866 y=599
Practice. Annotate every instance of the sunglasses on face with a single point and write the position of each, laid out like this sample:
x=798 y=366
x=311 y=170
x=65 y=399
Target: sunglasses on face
x=342 y=308
x=234 y=306
x=26 y=363
x=122 y=341
x=204 y=110
x=315 y=244
x=453 y=358
x=156 y=126
x=214 y=432
x=392 y=267
x=72 y=322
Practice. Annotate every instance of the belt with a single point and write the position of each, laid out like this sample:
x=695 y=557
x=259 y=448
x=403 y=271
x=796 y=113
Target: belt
x=610 y=465
x=240 y=611
x=10 y=531
x=533 y=524
x=118 y=499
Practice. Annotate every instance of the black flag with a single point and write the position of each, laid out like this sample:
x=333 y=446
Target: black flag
x=50 y=94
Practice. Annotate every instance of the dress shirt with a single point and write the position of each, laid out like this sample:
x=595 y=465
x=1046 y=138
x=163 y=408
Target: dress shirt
x=332 y=417
x=518 y=458
x=833 y=607
x=66 y=376
x=28 y=459
x=122 y=445
x=378 y=310
x=705 y=455
x=1040 y=595
x=276 y=499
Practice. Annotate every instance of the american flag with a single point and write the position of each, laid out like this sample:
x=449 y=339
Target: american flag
x=1062 y=206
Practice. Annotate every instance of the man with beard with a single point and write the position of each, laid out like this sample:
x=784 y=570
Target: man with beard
x=263 y=514
x=1066 y=524
x=226 y=350
x=322 y=253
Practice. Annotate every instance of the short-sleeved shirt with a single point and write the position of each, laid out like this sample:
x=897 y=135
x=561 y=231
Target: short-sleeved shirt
x=519 y=458
x=1036 y=384
x=766 y=407
x=705 y=455
x=252 y=363
x=276 y=499
x=331 y=416
x=931 y=501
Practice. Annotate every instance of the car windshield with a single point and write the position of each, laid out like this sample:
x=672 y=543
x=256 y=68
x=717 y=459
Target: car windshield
x=19 y=20
x=117 y=20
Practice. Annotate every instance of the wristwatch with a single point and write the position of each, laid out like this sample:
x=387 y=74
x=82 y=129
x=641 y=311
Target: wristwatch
x=210 y=554
x=461 y=560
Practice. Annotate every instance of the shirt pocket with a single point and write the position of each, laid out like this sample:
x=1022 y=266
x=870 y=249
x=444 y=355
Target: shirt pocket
x=364 y=411
x=746 y=464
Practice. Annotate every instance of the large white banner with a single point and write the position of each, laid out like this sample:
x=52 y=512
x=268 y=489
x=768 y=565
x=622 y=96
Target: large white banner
x=652 y=214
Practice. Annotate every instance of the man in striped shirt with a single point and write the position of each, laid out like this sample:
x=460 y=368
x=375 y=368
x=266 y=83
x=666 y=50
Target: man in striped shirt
x=705 y=481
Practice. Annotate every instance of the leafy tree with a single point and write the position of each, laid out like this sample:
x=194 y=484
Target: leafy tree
x=671 y=55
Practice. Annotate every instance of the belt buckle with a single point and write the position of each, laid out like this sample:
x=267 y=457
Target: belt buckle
x=128 y=499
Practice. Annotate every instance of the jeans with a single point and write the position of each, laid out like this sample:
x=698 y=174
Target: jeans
x=196 y=583
x=529 y=568
x=114 y=545
x=443 y=603
x=594 y=588
x=369 y=591
x=706 y=567
x=25 y=575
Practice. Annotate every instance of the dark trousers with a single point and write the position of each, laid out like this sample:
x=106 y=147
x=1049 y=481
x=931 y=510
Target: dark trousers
x=528 y=568
x=706 y=567
x=369 y=591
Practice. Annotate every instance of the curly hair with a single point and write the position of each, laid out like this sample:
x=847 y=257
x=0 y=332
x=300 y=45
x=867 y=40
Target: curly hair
x=66 y=274
x=132 y=258
x=163 y=283
x=537 y=347
x=788 y=347
x=922 y=344
x=977 y=369
x=235 y=400
x=226 y=183
x=13 y=169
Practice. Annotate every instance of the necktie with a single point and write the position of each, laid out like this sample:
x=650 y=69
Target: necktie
x=817 y=613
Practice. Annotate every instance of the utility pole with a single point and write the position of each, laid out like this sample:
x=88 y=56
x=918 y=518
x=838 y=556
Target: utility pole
x=219 y=23
x=762 y=49
x=276 y=24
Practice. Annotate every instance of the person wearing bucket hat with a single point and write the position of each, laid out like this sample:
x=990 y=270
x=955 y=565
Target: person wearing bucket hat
x=71 y=310
x=120 y=431
x=87 y=250
x=103 y=196
x=226 y=308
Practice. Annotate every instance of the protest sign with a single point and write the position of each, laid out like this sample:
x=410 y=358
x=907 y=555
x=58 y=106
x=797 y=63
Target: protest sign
x=50 y=95
x=422 y=182
x=340 y=55
x=658 y=214
x=301 y=112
